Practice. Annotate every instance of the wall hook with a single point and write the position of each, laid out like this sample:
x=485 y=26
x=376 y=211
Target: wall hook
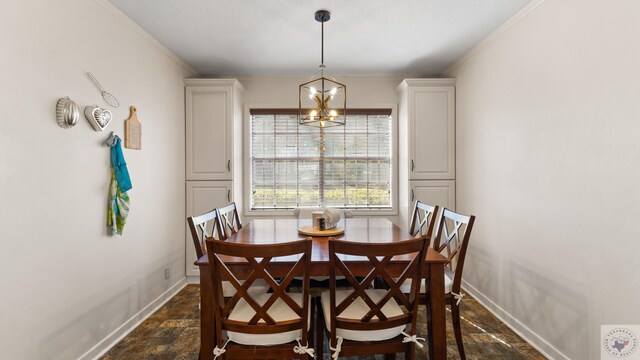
x=111 y=140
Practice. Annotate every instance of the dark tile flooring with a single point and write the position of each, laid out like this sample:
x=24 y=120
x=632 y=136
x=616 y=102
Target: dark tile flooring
x=173 y=333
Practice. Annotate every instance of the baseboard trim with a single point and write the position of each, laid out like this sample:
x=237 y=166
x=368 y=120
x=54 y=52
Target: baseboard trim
x=193 y=280
x=118 y=334
x=514 y=324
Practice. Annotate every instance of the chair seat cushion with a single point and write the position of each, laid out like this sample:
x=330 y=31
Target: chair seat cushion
x=357 y=310
x=406 y=286
x=279 y=311
x=259 y=286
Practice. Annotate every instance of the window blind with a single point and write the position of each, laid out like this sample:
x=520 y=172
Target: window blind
x=300 y=166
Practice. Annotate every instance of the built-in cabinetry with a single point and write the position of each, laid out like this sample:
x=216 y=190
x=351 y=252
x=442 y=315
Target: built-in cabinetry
x=437 y=192
x=426 y=124
x=213 y=111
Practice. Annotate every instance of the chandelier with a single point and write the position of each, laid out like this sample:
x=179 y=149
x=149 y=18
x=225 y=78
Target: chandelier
x=322 y=102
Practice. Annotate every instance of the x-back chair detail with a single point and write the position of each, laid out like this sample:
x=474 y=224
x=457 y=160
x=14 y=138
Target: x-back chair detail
x=229 y=220
x=424 y=219
x=373 y=321
x=269 y=325
x=202 y=227
x=207 y=226
x=423 y=223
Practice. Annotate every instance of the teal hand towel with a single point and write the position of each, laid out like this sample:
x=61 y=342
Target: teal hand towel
x=120 y=167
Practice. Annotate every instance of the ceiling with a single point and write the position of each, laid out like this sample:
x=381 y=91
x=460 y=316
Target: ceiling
x=281 y=37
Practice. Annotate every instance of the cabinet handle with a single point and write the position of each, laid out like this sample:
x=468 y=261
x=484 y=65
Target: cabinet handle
x=229 y=195
x=228 y=165
x=413 y=165
x=413 y=195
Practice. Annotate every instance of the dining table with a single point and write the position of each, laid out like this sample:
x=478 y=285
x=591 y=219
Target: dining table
x=357 y=229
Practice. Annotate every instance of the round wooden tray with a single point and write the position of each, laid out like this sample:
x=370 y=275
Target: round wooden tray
x=309 y=230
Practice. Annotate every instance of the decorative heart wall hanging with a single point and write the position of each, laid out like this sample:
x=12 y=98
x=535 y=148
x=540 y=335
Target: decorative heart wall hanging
x=98 y=117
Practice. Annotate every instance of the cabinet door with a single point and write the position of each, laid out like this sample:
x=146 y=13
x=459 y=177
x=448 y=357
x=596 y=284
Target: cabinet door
x=433 y=192
x=202 y=197
x=432 y=132
x=209 y=127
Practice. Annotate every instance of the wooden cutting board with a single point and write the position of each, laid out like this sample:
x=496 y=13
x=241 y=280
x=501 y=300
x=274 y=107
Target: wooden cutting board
x=133 y=130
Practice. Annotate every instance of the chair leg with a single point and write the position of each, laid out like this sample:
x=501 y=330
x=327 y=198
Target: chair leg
x=455 y=317
x=319 y=343
x=410 y=354
x=389 y=356
x=311 y=337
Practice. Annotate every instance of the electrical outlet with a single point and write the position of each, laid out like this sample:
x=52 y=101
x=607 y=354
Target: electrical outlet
x=167 y=274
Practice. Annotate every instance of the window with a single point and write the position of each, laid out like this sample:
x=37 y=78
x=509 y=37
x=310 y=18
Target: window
x=301 y=166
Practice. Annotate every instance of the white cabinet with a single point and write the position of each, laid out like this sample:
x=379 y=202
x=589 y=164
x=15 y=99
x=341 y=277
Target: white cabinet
x=431 y=120
x=213 y=116
x=203 y=196
x=426 y=146
x=434 y=192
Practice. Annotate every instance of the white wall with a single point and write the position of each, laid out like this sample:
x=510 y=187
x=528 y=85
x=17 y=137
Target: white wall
x=362 y=91
x=65 y=284
x=548 y=118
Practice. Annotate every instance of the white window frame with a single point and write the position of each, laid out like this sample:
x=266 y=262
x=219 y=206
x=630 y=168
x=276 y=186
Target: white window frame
x=246 y=128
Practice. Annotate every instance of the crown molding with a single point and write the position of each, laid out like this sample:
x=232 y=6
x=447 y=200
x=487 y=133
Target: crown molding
x=493 y=36
x=426 y=82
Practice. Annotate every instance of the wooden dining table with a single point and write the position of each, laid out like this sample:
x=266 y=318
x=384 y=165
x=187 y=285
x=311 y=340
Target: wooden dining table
x=371 y=230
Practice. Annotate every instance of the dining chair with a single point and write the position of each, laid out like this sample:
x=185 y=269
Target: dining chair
x=267 y=326
x=423 y=223
x=202 y=227
x=451 y=240
x=207 y=226
x=362 y=321
x=229 y=220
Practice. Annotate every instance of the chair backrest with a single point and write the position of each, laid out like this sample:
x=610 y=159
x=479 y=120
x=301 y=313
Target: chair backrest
x=229 y=220
x=202 y=227
x=259 y=257
x=424 y=220
x=452 y=240
x=379 y=256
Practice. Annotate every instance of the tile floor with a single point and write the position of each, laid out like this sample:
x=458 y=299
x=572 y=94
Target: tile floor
x=173 y=333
